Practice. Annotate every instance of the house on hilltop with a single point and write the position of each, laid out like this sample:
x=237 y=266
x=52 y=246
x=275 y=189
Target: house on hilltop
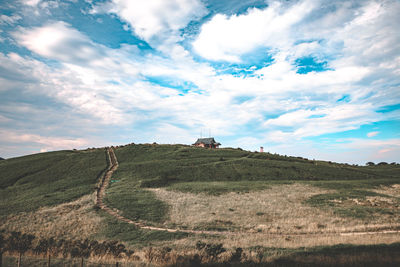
x=207 y=142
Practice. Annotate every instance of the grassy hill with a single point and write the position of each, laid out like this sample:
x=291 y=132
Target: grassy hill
x=197 y=170
x=46 y=179
x=186 y=187
x=159 y=165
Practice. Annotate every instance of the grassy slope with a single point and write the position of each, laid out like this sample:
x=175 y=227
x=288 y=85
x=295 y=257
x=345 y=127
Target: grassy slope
x=29 y=182
x=122 y=231
x=165 y=164
x=192 y=169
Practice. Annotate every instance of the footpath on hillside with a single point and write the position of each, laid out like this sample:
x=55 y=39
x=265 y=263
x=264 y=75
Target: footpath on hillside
x=113 y=166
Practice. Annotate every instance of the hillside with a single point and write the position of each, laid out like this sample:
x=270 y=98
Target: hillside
x=46 y=179
x=220 y=171
x=228 y=196
x=159 y=165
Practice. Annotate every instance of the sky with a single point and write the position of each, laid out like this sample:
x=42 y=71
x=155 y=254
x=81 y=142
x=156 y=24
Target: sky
x=311 y=78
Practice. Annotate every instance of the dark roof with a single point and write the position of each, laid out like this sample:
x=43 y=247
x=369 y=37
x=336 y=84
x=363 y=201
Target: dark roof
x=207 y=141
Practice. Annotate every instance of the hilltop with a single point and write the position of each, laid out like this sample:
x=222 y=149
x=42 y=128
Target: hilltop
x=232 y=196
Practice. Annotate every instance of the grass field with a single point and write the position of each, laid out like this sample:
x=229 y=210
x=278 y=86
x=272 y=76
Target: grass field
x=46 y=179
x=161 y=165
x=264 y=203
x=221 y=171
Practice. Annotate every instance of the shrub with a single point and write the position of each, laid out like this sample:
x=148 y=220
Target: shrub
x=237 y=255
x=211 y=251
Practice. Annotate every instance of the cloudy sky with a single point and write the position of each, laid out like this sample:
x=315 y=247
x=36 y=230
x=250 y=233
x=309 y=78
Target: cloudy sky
x=312 y=78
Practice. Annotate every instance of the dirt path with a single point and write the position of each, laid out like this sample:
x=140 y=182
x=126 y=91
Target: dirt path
x=113 y=165
x=105 y=180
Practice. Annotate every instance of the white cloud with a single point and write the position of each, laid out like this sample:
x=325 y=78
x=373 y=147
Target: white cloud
x=47 y=142
x=32 y=3
x=155 y=20
x=307 y=123
x=227 y=38
x=377 y=150
x=4 y=19
x=58 y=41
x=4 y=119
x=372 y=134
x=66 y=85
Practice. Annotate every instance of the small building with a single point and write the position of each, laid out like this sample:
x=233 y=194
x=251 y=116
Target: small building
x=207 y=142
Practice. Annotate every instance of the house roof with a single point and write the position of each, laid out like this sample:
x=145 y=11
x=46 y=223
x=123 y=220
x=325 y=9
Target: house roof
x=207 y=141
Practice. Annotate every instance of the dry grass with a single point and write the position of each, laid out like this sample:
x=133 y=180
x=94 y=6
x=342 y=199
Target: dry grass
x=279 y=209
x=71 y=220
x=246 y=240
x=276 y=217
x=393 y=190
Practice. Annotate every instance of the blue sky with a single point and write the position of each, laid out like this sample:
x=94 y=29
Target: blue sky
x=312 y=78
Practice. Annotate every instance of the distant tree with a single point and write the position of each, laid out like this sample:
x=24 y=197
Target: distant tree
x=211 y=251
x=81 y=249
x=20 y=243
x=164 y=254
x=382 y=163
x=116 y=250
x=93 y=246
x=150 y=254
x=370 y=163
x=259 y=254
x=64 y=246
x=128 y=253
x=237 y=255
x=46 y=247
x=99 y=249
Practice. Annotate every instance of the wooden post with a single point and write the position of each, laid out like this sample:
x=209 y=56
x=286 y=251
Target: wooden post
x=19 y=259
x=48 y=258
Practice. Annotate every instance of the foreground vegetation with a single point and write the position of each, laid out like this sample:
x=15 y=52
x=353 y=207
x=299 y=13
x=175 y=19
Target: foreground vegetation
x=94 y=253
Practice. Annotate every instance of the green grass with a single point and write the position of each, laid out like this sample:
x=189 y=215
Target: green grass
x=355 y=189
x=356 y=184
x=46 y=179
x=218 y=188
x=121 y=231
x=161 y=165
x=136 y=203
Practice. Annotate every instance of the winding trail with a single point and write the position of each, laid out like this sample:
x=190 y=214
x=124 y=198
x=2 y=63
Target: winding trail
x=113 y=166
x=105 y=180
